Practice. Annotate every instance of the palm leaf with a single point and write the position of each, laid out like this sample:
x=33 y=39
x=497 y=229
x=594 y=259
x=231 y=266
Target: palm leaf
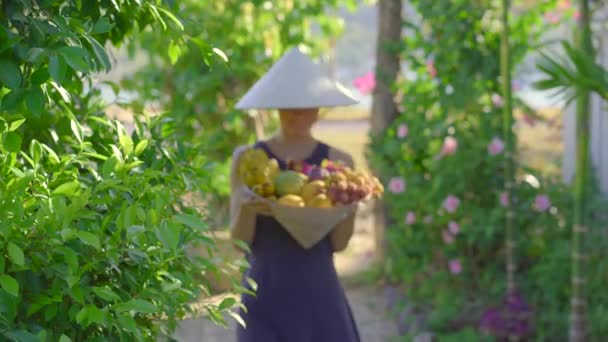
x=575 y=69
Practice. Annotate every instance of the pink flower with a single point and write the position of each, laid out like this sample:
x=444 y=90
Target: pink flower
x=402 y=131
x=447 y=237
x=553 y=17
x=504 y=199
x=430 y=68
x=453 y=227
x=396 y=185
x=564 y=4
x=496 y=146
x=410 y=218
x=529 y=120
x=542 y=203
x=366 y=84
x=450 y=145
x=577 y=15
x=451 y=203
x=455 y=266
x=497 y=100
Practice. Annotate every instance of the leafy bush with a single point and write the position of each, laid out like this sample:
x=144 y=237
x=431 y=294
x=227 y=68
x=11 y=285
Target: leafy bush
x=442 y=163
x=94 y=229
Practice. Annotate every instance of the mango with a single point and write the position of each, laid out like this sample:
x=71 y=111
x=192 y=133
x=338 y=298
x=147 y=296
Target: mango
x=310 y=190
x=320 y=201
x=292 y=201
x=289 y=183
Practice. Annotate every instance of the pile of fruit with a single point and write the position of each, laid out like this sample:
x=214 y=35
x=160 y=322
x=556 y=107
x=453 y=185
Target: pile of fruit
x=302 y=185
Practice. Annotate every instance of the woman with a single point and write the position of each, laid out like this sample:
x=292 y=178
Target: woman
x=299 y=297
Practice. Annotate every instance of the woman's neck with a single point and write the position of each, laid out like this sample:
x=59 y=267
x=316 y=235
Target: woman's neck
x=294 y=139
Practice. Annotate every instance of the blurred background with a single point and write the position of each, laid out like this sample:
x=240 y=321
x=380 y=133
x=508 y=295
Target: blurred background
x=117 y=125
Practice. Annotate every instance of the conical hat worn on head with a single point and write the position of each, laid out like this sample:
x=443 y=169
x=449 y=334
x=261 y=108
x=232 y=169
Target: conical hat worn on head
x=295 y=81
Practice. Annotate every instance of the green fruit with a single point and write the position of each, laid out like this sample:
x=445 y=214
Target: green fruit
x=289 y=182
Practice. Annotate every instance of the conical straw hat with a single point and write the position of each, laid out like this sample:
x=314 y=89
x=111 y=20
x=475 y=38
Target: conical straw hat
x=294 y=81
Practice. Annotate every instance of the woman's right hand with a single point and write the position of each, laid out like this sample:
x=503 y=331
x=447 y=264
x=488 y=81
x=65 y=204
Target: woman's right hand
x=255 y=206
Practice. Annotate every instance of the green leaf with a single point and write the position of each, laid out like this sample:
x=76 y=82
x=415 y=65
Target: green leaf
x=100 y=53
x=137 y=305
x=174 y=52
x=103 y=25
x=16 y=124
x=141 y=146
x=171 y=17
x=76 y=129
x=76 y=57
x=221 y=54
x=10 y=74
x=127 y=322
x=35 y=101
x=89 y=239
x=57 y=68
x=126 y=143
x=52 y=155
x=9 y=284
x=12 y=142
x=64 y=338
x=227 y=303
x=35 y=55
x=11 y=100
x=90 y=314
x=22 y=336
x=40 y=76
x=70 y=256
x=168 y=235
x=65 y=95
x=67 y=189
x=191 y=221
x=16 y=254
x=106 y=294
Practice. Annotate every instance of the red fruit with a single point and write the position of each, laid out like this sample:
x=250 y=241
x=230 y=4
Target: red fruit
x=333 y=194
x=345 y=198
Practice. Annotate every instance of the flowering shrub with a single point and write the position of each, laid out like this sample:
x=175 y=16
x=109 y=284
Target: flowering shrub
x=446 y=227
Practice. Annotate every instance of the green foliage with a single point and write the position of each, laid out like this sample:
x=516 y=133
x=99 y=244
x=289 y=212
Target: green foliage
x=575 y=69
x=199 y=89
x=94 y=230
x=452 y=111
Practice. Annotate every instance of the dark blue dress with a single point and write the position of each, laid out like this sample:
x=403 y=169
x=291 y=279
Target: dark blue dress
x=299 y=297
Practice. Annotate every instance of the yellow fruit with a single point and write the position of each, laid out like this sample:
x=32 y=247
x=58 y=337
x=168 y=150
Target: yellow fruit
x=320 y=201
x=267 y=189
x=292 y=201
x=310 y=190
x=258 y=189
x=272 y=167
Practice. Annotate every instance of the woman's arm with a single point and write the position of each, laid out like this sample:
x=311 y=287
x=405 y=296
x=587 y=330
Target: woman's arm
x=341 y=234
x=242 y=221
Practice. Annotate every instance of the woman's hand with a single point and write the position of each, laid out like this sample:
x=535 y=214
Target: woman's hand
x=255 y=206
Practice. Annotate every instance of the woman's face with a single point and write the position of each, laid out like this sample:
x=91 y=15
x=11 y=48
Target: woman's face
x=298 y=122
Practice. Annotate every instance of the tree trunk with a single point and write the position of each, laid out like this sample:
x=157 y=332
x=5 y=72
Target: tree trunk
x=384 y=109
x=578 y=302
